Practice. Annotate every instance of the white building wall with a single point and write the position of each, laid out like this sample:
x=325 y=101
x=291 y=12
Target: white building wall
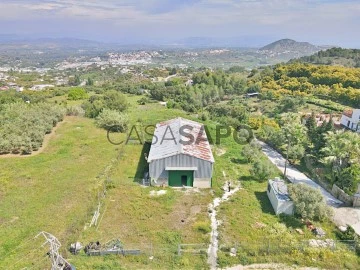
x=280 y=206
x=202 y=182
x=345 y=120
x=353 y=122
x=285 y=207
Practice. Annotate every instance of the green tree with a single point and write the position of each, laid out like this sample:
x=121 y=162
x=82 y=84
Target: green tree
x=295 y=134
x=251 y=151
x=309 y=203
x=349 y=179
x=77 y=93
x=115 y=100
x=261 y=170
x=173 y=71
x=341 y=149
x=112 y=120
x=90 y=82
x=342 y=155
x=75 y=81
x=311 y=125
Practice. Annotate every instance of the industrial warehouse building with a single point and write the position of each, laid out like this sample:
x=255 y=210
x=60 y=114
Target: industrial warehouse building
x=180 y=155
x=279 y=197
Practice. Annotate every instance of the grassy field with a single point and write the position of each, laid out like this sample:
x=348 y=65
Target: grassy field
x=250 y=225
x=153 y=224
x=52 y=191
x=56 y=191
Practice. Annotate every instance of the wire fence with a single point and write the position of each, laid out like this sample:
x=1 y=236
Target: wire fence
x=271 y=247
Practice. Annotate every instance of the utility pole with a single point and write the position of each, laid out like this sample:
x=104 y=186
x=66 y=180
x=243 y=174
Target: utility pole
x=287 y=155
x=57 y=261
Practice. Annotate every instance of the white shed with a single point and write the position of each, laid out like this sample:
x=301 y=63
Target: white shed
x=279 y=197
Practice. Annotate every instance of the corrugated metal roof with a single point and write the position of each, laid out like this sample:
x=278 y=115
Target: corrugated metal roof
x=167 y=140
x=181 y=169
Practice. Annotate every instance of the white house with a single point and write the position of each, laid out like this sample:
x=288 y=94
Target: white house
x=351 y=119
x=278 y=195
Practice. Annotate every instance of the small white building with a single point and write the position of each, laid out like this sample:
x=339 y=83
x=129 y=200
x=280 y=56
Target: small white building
x=351 y=119
x=40 y=87
x=279 y=197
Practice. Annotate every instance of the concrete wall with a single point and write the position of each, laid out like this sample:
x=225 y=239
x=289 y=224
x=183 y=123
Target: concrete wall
x=356 y=202
x=202 y=182
x=342 y=196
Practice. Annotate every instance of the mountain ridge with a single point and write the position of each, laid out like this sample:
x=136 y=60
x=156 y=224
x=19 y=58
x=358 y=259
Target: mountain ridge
x=290 y=47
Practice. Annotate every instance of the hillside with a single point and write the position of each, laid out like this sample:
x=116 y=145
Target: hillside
x=289 y=47
x=333 y=56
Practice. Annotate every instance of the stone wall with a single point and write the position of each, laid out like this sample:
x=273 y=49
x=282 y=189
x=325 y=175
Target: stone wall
x=342 y=196
x=356 y=200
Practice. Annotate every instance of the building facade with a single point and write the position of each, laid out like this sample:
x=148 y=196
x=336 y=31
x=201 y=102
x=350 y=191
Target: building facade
x=351 y=119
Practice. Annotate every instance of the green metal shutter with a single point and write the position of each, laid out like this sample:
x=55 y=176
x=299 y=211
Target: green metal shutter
x=176 y=176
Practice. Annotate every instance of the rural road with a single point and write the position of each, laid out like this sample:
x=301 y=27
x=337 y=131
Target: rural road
x=342 y=215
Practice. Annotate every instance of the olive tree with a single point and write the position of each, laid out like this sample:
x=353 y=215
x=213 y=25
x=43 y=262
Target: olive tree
x=112 y=120
x=261 y=170
x=309 y=202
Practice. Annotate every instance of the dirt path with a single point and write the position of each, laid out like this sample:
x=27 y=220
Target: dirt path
x=45 y=143
x=214 y=241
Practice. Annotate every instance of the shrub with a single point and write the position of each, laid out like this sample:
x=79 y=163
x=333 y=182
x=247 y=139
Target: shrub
x=112 y=100
x=204 y=116
x=143 y=101
x=77 y=93
x=75 y=111
x=202 y=227
x=309 y=202
x=261 y=170
x=251 y=151
x=349 y=234
x=114 y=120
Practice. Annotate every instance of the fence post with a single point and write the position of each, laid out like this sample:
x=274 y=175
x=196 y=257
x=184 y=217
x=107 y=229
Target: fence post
x=179 y=250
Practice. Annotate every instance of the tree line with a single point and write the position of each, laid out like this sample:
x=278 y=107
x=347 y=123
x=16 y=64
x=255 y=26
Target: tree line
x=23 y=126
x=339 y=84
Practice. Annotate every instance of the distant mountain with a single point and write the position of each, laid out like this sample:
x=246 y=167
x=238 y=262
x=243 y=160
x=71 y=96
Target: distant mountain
x=234 y=42
x=333 y=56
x=9 y=42
x=289 y=47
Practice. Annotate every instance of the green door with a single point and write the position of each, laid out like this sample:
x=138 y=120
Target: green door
x=181 y=178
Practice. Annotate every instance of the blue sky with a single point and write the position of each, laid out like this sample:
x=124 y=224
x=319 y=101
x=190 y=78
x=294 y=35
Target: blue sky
x=329 y=22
